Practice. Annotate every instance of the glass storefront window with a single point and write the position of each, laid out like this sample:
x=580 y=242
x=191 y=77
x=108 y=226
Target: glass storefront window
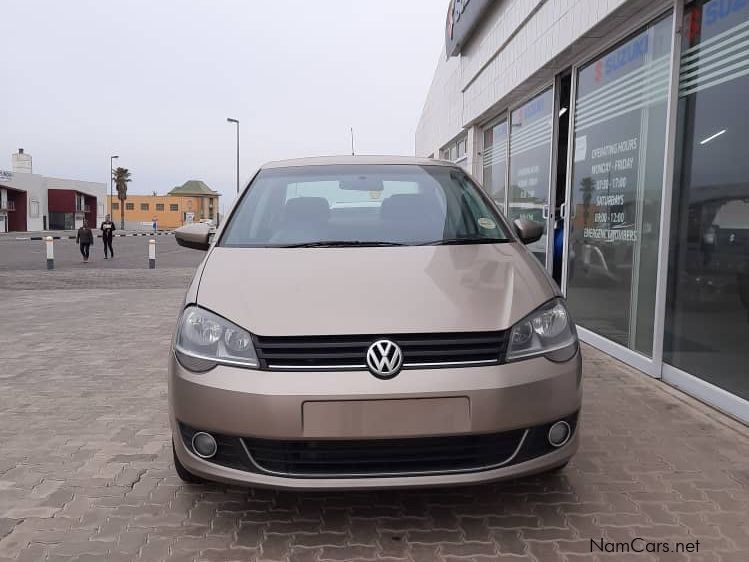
x=617 y=181
x=530 y=161
x=462 y=148
x=707 y=311
x=495 y=162
x=456 y=151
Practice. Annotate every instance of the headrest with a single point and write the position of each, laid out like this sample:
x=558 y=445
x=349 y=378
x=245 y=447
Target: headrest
x=409 y=206
x=306 y=209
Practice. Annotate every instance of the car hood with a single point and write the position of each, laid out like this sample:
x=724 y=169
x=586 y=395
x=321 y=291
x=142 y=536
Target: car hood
x=373 y=290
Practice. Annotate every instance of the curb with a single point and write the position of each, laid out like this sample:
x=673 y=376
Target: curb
x=96 y=236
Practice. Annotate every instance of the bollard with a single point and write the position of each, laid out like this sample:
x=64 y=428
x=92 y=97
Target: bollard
x=152 y=254
x=50 y=252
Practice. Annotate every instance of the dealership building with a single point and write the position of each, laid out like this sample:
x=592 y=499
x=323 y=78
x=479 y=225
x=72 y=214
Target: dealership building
x=622 y=125
x=31 y=202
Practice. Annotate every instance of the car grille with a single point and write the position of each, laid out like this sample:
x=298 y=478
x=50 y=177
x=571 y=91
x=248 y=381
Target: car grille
x=384 y=457
x=297 y=353
x=410 y=456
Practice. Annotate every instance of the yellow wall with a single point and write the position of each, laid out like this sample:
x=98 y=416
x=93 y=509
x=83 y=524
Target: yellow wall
x=166 y=219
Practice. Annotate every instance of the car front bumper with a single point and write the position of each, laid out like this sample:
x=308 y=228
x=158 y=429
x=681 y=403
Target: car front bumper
x=355 y=407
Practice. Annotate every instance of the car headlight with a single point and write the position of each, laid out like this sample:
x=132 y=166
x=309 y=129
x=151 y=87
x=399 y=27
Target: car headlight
x=205 y=340
x=547 y=331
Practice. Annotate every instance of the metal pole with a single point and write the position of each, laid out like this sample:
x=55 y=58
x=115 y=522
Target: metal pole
x=111 y=182
x=237 y=156
x=236 y=122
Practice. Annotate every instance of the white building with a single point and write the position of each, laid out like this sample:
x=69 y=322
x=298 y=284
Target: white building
x=31 y=202
x=622 y=126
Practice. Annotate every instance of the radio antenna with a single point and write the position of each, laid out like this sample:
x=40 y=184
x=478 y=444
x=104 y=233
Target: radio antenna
x=352 y=141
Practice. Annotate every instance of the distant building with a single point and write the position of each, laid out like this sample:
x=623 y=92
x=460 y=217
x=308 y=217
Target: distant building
x=193 y=201
x=32 y=202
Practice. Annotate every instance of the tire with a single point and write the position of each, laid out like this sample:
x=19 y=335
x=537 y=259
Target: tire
x=184 y=474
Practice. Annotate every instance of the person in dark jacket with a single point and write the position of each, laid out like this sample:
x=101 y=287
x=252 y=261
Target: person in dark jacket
x=107 y=233
x=84 y=238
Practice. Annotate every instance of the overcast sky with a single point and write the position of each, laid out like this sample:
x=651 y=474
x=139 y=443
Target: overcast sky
x=154 y=80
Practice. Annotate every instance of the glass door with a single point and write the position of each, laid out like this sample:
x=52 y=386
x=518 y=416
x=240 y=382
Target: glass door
x=530 y=166
x=616 y=186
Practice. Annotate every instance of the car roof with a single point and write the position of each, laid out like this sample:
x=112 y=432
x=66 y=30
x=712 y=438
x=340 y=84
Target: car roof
x=348 y=159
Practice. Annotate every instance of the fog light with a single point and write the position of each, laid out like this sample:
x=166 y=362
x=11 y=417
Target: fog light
x=559 y=433
x=204 y=445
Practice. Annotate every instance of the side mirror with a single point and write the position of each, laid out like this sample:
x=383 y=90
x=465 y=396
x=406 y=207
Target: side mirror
x=195 y=236
x=528 y=231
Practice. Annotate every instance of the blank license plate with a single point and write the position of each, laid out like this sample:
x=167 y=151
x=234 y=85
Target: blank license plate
x=386 y=418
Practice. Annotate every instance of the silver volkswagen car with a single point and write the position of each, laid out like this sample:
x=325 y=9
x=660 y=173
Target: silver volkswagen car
x=363 y=322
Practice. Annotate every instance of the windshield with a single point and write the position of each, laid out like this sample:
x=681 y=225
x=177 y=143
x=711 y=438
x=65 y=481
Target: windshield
x=363 y=205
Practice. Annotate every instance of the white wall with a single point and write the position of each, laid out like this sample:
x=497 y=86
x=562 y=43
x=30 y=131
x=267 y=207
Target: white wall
x=33 y=185
x=36 y=187
x=97 y=189
x=442 y=115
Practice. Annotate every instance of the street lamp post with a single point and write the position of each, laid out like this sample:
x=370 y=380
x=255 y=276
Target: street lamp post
x=111 y=182
x=236 y=121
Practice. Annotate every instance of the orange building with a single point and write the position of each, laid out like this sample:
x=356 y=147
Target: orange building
x=193 y=201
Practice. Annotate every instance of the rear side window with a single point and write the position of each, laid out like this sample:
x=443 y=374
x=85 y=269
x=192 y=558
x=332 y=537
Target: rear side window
x=404 y=204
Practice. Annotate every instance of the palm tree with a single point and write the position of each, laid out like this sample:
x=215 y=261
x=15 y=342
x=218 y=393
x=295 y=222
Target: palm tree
x=121 y=178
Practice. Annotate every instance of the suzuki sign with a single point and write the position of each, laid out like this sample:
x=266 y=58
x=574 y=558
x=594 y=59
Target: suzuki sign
x=463 y=16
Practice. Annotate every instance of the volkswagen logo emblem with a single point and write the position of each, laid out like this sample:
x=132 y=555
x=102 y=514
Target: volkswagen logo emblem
x=384 y=359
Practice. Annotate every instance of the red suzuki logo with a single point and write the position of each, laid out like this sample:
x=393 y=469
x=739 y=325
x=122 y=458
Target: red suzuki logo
x=694 y=24
x=598 y=71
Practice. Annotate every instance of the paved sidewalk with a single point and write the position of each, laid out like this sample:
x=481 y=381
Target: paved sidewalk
x=86 y=471
x=89 y=276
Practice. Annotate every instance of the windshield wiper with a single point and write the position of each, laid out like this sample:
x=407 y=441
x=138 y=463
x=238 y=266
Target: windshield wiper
x=341 y=244
x=463 y=240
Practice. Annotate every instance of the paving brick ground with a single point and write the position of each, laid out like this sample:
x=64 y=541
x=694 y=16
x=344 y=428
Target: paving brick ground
x=86 y=471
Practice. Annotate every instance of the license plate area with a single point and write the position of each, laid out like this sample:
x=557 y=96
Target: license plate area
x=386 y=418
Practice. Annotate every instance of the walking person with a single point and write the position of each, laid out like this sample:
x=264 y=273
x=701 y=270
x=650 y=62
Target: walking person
x=107 y=233
x=84 y=238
